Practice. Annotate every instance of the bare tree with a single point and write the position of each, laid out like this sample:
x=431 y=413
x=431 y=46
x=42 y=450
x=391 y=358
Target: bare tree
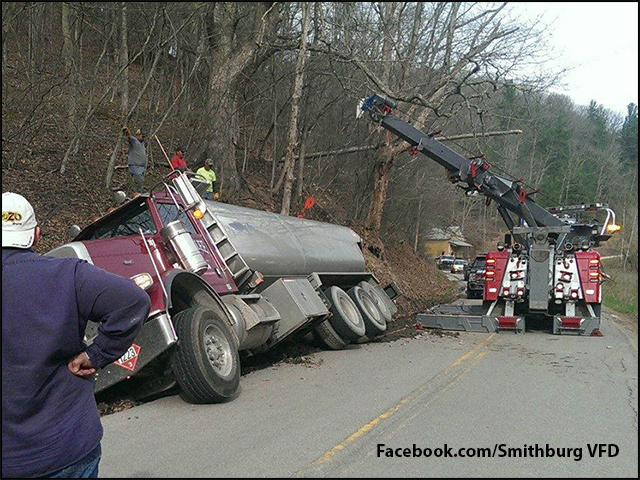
x=69 y=53
x=289 y=162
x=124 y=60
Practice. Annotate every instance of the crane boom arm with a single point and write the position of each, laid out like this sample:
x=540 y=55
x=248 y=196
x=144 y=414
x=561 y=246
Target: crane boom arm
x=509 y=195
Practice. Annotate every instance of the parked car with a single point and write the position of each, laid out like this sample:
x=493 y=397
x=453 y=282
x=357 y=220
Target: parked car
x=458 y=265
x=475 y=277
x=444 y=262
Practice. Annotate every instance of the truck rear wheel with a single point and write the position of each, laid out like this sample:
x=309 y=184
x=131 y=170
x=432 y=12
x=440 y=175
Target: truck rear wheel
x=345 y=319
x=329 y=337
x=376 y=295
x=374 y=321
x=206 y=363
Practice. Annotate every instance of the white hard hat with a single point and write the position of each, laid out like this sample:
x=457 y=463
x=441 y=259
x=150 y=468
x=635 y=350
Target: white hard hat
x=18 y=221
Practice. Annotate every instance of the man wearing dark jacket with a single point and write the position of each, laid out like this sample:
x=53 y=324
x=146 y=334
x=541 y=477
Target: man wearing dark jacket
x=137 y=159
x=50 y=422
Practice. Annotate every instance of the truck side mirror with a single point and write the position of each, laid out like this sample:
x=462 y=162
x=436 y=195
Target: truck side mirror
x=73 y=231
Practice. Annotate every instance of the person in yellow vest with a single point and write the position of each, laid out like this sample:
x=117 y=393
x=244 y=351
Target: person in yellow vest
x=209 y=175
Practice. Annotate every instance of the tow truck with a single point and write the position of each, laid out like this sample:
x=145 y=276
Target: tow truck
x=224 y=279
x=546 y=271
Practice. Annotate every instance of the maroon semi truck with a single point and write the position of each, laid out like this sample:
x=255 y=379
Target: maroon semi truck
x=224 y=279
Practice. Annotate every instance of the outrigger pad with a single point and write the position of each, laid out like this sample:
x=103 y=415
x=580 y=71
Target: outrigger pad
x=472 y=323
x=576 y=326
x=463 y=323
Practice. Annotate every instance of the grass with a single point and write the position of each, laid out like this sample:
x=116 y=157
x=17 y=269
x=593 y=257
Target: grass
x=621 y=293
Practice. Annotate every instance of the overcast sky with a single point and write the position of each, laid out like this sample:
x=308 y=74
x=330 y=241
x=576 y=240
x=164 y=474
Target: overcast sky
x=600 y=42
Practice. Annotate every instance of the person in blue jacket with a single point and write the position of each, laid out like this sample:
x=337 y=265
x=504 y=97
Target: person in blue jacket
x=50 y=422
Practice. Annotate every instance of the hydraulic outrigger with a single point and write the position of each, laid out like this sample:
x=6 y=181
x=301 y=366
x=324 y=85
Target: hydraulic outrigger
x=546 y=268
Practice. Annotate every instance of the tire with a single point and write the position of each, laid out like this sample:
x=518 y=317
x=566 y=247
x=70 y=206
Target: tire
x=374 y=322
x=345 y=317
x=206 y=362
x=326 y=335
x=378 y=300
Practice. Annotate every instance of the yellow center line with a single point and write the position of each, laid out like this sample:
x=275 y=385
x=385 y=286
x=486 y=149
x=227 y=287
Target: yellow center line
x=409 y=398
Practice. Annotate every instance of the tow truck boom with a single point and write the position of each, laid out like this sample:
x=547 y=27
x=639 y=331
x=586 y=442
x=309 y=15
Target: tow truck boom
x=510 y=196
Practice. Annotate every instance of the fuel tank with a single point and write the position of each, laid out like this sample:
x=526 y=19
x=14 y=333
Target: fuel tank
x=280 y=245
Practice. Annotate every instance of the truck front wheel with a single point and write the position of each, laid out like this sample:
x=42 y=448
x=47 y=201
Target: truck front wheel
x=206 y=363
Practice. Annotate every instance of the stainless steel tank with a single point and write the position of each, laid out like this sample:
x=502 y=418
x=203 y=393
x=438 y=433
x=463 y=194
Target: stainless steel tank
x=279 y=245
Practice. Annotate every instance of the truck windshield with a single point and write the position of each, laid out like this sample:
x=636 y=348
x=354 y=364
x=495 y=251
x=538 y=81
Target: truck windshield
x=125 y=223
x=169 y=212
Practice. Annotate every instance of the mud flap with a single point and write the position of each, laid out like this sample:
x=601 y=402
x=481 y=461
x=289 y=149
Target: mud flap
x=576 y=326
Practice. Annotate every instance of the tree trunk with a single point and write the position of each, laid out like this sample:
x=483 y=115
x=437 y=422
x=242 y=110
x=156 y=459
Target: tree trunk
x=124 y=60
x=301 y=159
x=69 y=54
x=384 y=162
x=418 y=217
x=289 y=163
x=228 y=62
x=385 y=156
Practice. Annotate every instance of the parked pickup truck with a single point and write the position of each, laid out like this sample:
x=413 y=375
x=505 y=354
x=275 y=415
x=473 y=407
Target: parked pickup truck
x=224 y=279
x=475 y=276
x=444 y=262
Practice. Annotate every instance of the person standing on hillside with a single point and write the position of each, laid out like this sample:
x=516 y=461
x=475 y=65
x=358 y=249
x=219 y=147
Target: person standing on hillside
x=208 y=174
x=50 y=422
x=178 y=162
x=137 y=157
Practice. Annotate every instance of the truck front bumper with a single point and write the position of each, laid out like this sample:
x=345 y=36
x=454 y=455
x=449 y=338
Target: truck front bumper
x=156 y=336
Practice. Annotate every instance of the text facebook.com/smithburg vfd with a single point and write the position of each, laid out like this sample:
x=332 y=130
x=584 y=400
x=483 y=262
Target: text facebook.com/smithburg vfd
x=500 y=450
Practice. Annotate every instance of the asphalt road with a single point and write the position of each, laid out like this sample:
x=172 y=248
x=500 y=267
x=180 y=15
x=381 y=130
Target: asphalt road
x=327 y=418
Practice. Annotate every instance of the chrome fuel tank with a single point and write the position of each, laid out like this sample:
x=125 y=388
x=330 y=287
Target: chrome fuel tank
x=279 y=245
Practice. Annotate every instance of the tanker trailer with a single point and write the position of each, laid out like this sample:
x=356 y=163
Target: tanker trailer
x=224 y=279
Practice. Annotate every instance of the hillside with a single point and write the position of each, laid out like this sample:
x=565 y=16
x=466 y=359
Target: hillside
x=78 y=196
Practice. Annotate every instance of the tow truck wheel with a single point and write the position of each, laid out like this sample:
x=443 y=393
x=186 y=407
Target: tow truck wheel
x=206 y=363
x=345 y=319
x=374 y=321
x=376 y=295
x=329 y=337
